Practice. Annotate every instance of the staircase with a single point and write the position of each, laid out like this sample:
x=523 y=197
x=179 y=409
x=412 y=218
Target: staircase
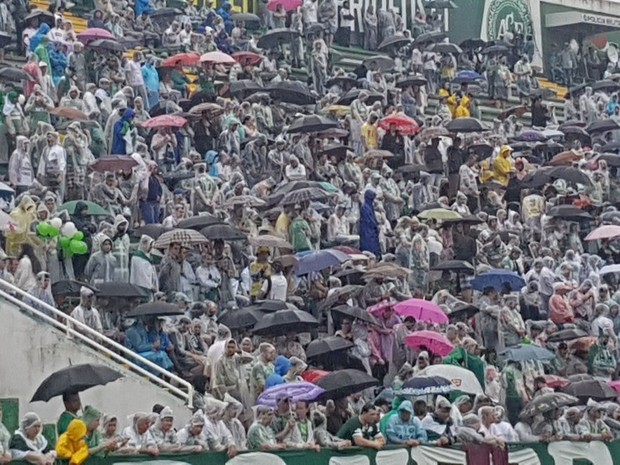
x=78 y=23
x=40 y=345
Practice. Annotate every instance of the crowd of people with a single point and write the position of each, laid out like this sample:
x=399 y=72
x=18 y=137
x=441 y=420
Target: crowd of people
x=404 y=236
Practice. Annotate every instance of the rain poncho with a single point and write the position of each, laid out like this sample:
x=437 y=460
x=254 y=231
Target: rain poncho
x=122 y=129
x=369 y=226
x=71 y=445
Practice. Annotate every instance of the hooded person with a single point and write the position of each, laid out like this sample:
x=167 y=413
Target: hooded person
x=218 y=436
x=85 y=312
x=71 y=445
x=120 y=243
x=123 y=136
x=230 y=418
x=217 y=349
x=53 y=165
x=142 y=271
x=101 y=266
x=404 y=428
x=23 y=216
x=21 y=173
x=192 y=435
x=138 y=436
x=227 y=373
x=29 y=444
x=502 y=165
x=163 y=432
x=369 y=226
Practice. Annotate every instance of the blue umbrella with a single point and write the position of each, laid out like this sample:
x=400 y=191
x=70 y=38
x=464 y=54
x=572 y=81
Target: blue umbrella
x=425 y=385
x=530 y=136
x=318 y=260
x=301 y=390
x=497 y=279
x=522 y=352
x=466 y=74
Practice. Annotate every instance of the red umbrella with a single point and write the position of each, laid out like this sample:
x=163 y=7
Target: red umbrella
x=182 y=59
x=218 y=58
x=247 y=58
x=164 y=121
x=287 y=5
x=95 y=33
x=403 y=123
x=556 y=382
x=437 y=343
x=312 y=376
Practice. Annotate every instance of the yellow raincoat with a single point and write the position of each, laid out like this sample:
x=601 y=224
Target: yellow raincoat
x=23 y=216
x=502 y=166
x=71 y=445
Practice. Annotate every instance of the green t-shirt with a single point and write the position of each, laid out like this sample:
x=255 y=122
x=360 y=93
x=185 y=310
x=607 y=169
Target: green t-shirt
x=354 y=428
x=63 y=422
x=300 y=235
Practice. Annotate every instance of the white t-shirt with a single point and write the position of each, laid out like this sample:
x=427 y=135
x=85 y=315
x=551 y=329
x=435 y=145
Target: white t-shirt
x=279 y=287
x=345 y=23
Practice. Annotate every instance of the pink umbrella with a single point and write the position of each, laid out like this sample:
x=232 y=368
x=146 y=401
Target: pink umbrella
x=95 y=33
x=381 y=307
x=421 y=310
x=615 y=385
x=608 y=231
x=217 y=58
x=436 y=343
x=287 y=5
x=164 y=121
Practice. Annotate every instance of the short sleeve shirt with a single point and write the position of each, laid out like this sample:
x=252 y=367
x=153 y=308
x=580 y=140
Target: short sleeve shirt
x=354 y=428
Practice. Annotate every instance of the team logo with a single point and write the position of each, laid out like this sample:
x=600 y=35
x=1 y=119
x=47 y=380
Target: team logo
x=508 y=16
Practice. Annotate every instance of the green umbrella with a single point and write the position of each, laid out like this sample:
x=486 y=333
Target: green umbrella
x=93 y=208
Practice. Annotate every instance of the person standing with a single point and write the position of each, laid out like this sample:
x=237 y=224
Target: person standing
x=346 y=25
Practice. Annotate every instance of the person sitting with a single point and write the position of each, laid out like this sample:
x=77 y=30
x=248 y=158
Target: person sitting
x=192 y=434
x=71 y=445
x=73 y=405
x=138 y=437
x=260 y=434
x=29 y=444
x=95 y=440
x=324 y=438
x=404 y=428
x=363 y=430
x=163 y=433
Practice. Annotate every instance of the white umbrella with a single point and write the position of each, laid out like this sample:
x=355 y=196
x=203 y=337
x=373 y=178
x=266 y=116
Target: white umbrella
x=463 y=380
x=610 y=269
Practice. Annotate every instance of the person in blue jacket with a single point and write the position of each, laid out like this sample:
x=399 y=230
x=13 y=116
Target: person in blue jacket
x=404 y=428
x=121 y=128
x=369 y=226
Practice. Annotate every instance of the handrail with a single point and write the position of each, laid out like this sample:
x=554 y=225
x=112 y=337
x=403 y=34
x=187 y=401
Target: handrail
x=90 y=340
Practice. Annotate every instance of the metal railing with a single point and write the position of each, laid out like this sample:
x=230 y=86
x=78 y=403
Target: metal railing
x=108 y=347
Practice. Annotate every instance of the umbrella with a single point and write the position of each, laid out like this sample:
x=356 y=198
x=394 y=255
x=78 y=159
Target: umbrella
x=434 y=36
x=267 y=240
x=605 y=85
x=185 y=237
x=213 y=109
x=495 y=49
x=530 y=136
x=592 y=388
x=416 y=80
x=340 y=150
x=454 y=265
x=287 y=5
x=70 y=288
x=612 y=159
x=498 y=279
x=463 y=379
x=300 y=196
x=353 y=94
x=567 y=335
x=69 y=113
x=245 y=317
x=244 y=88
x=10 y=73
x=465 y=125
x=355 y=313
x=245 y=200
x=327 y=346
x=287 y=260
x=292 y=92
x=395 y=41
x=518 y=111
x=217 y=58
x=381 y=307
x=300 y=390
x=439 y=214
x=426 y=385
x=107 y=44
x=319 y=260
x=285 y=321
x=43 y=16
x=431 y=133
x=545 y=175
x=609 y=269
x=245 y=17
x=387 y=270
x=566 y=158
x=271 y=305
x=379 y=63
x=247 y=58
x=483 y=150
x=154 y=309
x=445 y=47
x=342 y=383
x=611 y=147
x=93 y=208
x=434 y=342
x=548 y=402
x=472 y=44
x=121 y=290
x=166 y=11
x=462 y=312
x=199 y=222
x=223 y=232
x=345 y=80
x=276 y=37
x=421 y=310
x=164 y=121
x=602 y=126
x=73 y=379
x=181 y=59
x=568 y=212
x=522 y=352
x=113 y=163
x=340 y=294
x=555 y=382
x=607 y=231
x=95 y=33
x=311 y=123
x=402 y=123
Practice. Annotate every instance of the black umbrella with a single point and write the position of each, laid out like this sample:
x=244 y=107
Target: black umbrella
x=70 y=288
x=247 y=17
x=605 y=85
x=335 y=149
x=43 y=16
x=454 y=265
x=355 y=313
x=341 y=294
x=10 y=73
x=481 y=149
x=575 y=132
x=411 y=81
x=351 y=276
x=472 y=44
x=284 y=322
x=602 y=126
x=434 y=36
x=245 y=317
x=107 y=44
x=342 y=383
x=611 y=147
x=353 y=94
x=343 y=81
x=276 y=37
x=279 y=194
x=612 y=159
x=223 y=232
x=327 y=346
x=155 y=309
x=244 y=88
x=379 y=63
x=445 y=47
x=199 y=222
x=465 y=219
x=396 y=41
x=151 y=230
x=271 y=305
x=304 y=195
x=74 y=379
x=121 y=290
x=568 y=212
x=465 y=125
x=311 y=123
x=578 y=89
x=292 y=92
x=462 y=312
x=570 y=174
x=590 y=389
x=566 y=335
x=495 y=49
